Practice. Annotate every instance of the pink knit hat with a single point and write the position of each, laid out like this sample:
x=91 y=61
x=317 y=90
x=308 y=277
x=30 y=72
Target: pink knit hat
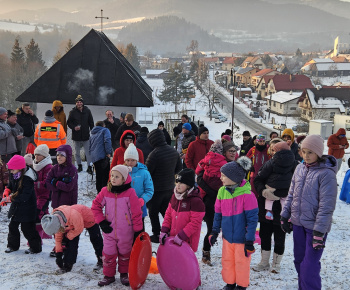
x=314 y=143
x=123 y=170
x=281 y=146
x=17 y=162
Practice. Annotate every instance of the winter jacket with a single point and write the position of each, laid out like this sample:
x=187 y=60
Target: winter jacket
x=4 y=176
x=293 y=146
x=78 y=217
x=123 y=211
x=246 y=146
x=113 y=128
x=84 y=119
x=27 y=122
x=184 y=218
x=186 y=140
x=163 y=162
x=312 y=195
x=63 y=193
x=23 y=206
x=236 y=214
x=17 y=130
x=345 y=189
x=60 y=115
x=42 y=193
x=142 y=182
x=167 y=136
x=134 y=127
x=118 y=156
x=100 y=143
x=7 y=139
x=333 y=144
x=143 y=144
x=276 y=173
x=50 y=132
x=196 y=152
x=193 y=125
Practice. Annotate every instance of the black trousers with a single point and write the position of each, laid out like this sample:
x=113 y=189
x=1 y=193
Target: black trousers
x=29 y=232
x=70 y=250
x=96 y=239
x=53 y=153
x=209 y=202
x=102 y=173
x=158 y=204
x=266 y=231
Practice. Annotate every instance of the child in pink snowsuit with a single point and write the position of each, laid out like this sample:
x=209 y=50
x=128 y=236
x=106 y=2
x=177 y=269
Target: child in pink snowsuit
x=120 y=223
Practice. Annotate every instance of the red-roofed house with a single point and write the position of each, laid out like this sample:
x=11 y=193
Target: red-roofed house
x=212 y=61
x=289 y=83
x=253 y=61
x=261 y=87
x=228 y=63
x=264 y=72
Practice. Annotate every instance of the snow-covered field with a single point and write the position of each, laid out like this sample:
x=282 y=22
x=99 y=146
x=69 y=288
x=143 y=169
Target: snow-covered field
x=21 y=271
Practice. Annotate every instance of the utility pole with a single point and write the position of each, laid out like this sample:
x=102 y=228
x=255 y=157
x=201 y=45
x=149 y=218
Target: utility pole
x=101 y=19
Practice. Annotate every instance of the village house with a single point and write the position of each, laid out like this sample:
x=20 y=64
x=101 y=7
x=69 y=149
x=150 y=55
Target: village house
x=253 y=61
x=228 y=63
x=283 y=103
x=258 y=75
x=244 y=75
x=334 y=69
x=261 y=87
x=287 y=83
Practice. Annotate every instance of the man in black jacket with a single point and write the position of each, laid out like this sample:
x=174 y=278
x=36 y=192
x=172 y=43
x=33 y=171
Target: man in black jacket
x=80 y=120
x=247 y=143
x=112 y=124
x=130 y=124
x=162 y=163
x=186 y=119
x=27 y=120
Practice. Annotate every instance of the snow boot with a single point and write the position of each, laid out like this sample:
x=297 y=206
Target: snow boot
x=206 y=258
x=66 y=268
x=264 y=263
x=9 y=250
x=53 y=253
x=240 y=288
x=98 y=265
x=30 y=251
x=80 y=168
x=90 y=170
x=106 y=281
x=276 y=263
x=229 y=287
x=155 y=239
x=124 y=279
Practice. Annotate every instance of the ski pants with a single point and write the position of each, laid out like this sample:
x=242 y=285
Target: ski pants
x=158 y=204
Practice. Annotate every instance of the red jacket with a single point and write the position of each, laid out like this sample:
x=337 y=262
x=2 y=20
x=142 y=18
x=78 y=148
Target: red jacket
x=118 y=156
x=184 y=217
x=333 y=144
x=196 y=152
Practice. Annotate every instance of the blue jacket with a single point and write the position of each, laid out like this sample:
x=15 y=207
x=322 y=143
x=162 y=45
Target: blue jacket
x=345 y=189
x=100 y=143
x=142 y=183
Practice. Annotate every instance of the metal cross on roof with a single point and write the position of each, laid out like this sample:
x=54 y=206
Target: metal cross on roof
x=101 y=19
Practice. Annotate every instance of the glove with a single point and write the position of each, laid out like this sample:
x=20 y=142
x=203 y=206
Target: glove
x=212 y=238
x=105 y=226
x=6 y=199
x=162 y=238
x=287 y=226
x=249 y=248
x=318 y=240
x=3 y=203
x=54 y=181
x=7 y=192
x=177 y=240
x=67 y=179
x=142 y=201
x=268 y=193
x=59 y=259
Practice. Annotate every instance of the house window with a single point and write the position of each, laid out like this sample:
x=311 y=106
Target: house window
x=280 y=106
x=274 y=103
x=331 y=114
x=310 y=114
x=292 y=108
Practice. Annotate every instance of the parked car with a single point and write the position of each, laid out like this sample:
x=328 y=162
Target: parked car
x=254 y=114
x=221 y=119
x=280 y=127
x=301 y=128
x=214 y=114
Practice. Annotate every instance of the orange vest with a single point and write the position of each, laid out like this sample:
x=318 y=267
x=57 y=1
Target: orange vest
x=51 y=134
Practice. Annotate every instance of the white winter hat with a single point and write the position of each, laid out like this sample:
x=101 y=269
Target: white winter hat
x=42 y=150
x=131 y=153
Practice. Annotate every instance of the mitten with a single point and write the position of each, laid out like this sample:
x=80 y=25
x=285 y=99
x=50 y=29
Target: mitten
x=178 y=240
x=54 y=181
x=142 y=201
x=59 y=259
x=6 y=199
x=212 y=238
x=105 y=226
x=7 y=192
x=67 y=179
x=286 y=226
x=249 y=248
x=162 y=237
x=318 y=240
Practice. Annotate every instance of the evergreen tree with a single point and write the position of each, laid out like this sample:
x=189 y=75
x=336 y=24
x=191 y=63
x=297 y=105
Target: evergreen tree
x=57 y=57
x=298 y=53
x=17 y=54
x=34 y=54
x=131 y=54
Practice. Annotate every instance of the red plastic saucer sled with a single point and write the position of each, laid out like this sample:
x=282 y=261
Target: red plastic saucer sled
x=178 y=265
x=140 y=260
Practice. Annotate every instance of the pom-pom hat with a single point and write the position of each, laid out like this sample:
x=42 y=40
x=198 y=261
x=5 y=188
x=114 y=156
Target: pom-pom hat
x=123 y=170
x=237 y=170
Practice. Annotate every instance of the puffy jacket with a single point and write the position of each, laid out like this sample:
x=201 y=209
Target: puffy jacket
x=118 y=156
x=142 y=182
x=163 y=162
x=123 y=211
x=84 y=119
x=78 y=217
x=100 y=143
x=312 y=195
x=184 y=218
x=63 y=193
x=345 y=189
x=27 y=122
x=7 y=139
x=134 y=127
x=17 y=130
x=246 y=146
x=333 y=144
x=50 y=132
x=167 y=136
x=186 y=140
x=113 y=128
x=60 y=115
x=196 y=152
x=236 y=214
x=23 y=206
x=4 y=176
x=143 y=144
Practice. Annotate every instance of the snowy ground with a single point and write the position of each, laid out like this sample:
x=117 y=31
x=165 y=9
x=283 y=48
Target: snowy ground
x=21 y=271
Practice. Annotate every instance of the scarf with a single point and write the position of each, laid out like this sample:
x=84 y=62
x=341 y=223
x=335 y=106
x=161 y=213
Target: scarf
x=38 y=166
x=231 y=188
x=17 y=175
x=120 y=188
x=180 y=196
x=260 y=147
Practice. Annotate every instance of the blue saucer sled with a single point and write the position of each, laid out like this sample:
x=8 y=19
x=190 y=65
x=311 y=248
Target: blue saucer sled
x=178 y=265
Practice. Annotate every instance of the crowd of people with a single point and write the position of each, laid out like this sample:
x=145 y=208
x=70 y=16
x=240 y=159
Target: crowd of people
x=285 y=183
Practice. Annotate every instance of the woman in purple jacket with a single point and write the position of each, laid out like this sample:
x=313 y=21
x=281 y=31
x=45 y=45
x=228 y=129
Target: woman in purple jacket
x=309 y=209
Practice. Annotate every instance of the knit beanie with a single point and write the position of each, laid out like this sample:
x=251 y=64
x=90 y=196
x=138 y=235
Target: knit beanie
x=187 y=126
x=17 y=162
x=281 y=146
x=52 y=223
x=176 y=131
x=186 y=176
x=300 y=138
x=29 y=159
x=201 y=130
x=10 y=113
x=42 y=150
x=237 y=170
x=79 y=98
x=144 y=130
x=2 y=111
x=49 y=113
x=123 y=170
x=161 y=124
x=227 y=146
x=226 y=137
x=216 y=147
x=314 y=143
x=129 y=136
x=131 y=153
x=246 y=133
